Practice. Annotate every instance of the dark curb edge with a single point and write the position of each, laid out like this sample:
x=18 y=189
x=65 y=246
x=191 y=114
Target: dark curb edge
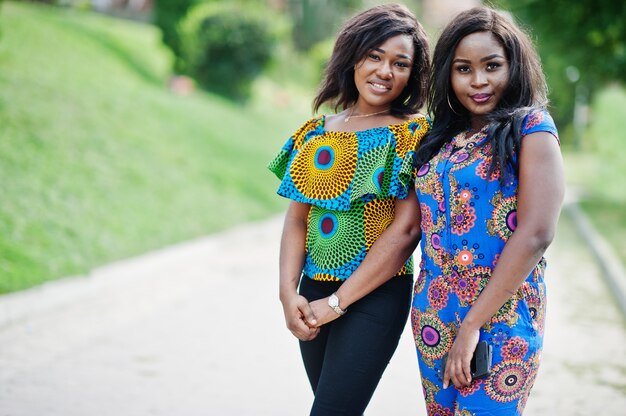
x=612 y=268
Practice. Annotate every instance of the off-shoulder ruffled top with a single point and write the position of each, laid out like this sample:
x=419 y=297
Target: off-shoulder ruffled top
x=351 y=180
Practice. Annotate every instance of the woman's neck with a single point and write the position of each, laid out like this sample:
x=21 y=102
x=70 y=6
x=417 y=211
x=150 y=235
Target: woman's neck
x=361 y=107
x=476 y=125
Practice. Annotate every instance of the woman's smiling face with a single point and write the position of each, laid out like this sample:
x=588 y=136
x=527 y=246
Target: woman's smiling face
x=383 y=73
x=479 y=74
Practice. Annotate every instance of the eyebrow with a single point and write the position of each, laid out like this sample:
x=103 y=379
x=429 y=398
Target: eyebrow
x=486 y=58
x=400 y=55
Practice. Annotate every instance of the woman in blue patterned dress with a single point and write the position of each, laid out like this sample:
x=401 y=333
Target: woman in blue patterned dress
x=346 y=271
x=490 y=187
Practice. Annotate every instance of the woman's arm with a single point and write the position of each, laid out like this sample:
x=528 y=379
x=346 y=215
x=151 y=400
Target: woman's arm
x=540 y=194
x=292 y=254
x=386 y=256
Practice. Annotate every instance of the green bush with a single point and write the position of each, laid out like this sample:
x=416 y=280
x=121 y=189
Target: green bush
x=226 y=47
x=167 y=15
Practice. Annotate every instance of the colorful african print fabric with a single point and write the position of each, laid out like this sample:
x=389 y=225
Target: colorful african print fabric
x=467 y=217
x=351 y=180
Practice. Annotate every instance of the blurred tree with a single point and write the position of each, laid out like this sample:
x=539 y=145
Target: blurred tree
x=315 y=20
x=167 y=15
x=582 y=44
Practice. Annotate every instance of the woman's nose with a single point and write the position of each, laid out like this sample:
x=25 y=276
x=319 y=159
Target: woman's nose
x=384 y=70
x=479 y=78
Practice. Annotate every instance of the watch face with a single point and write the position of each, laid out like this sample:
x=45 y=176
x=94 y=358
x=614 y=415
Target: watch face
x=333 y=301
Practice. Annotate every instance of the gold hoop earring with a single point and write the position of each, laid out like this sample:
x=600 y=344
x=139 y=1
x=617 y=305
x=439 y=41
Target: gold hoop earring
x=450 y=105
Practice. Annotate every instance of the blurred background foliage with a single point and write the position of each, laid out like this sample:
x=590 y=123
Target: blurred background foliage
x=129 y=125
x=583 y=48
x=166 y=16
x=582 y=45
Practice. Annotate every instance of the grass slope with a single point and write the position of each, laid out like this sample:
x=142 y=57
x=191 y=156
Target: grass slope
x=98 y=161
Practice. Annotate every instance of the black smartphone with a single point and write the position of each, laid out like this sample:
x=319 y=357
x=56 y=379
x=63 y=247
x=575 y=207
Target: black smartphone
x=480 y=366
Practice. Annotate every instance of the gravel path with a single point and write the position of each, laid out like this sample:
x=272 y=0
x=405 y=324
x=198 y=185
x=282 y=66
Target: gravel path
x=197 y=329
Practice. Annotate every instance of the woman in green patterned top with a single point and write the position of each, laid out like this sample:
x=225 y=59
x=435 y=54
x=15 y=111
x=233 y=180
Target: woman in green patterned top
x=351 y=228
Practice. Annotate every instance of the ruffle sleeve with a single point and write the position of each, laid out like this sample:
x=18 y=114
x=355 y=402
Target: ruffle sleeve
x=386 y=168
x=334 y=169
x=279 y=164
x=409 y=135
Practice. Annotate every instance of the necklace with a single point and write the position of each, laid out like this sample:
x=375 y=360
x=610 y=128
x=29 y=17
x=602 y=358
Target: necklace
x=345 y=120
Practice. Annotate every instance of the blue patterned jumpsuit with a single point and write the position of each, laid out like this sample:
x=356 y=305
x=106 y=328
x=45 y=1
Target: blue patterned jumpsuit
x=467 y=218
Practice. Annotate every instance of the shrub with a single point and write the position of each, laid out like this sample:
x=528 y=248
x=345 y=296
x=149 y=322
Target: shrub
x=226 y=47
x=167 y=15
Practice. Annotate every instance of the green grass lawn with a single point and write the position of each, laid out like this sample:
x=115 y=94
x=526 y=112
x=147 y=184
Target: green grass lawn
x=99 y=161
x=598 y=169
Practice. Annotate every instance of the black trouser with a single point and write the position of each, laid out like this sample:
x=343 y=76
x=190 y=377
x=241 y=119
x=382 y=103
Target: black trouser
x=346 y=360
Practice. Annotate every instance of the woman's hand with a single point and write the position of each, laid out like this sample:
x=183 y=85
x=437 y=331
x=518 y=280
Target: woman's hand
x=459 y=357
x=299 y=316
x=323 y=312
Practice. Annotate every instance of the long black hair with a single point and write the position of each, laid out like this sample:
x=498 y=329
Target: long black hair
x=361 y=34
x=527 y=89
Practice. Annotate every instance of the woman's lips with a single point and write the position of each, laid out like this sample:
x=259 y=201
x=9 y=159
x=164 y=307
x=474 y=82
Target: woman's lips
x=481 y=98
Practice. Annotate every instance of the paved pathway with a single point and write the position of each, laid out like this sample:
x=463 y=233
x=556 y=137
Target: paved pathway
x=197 y=329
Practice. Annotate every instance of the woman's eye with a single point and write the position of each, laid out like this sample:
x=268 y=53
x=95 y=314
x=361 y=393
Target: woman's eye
x=402 y=64
x=463 y=69
x=493 y=65
x=373 y=56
